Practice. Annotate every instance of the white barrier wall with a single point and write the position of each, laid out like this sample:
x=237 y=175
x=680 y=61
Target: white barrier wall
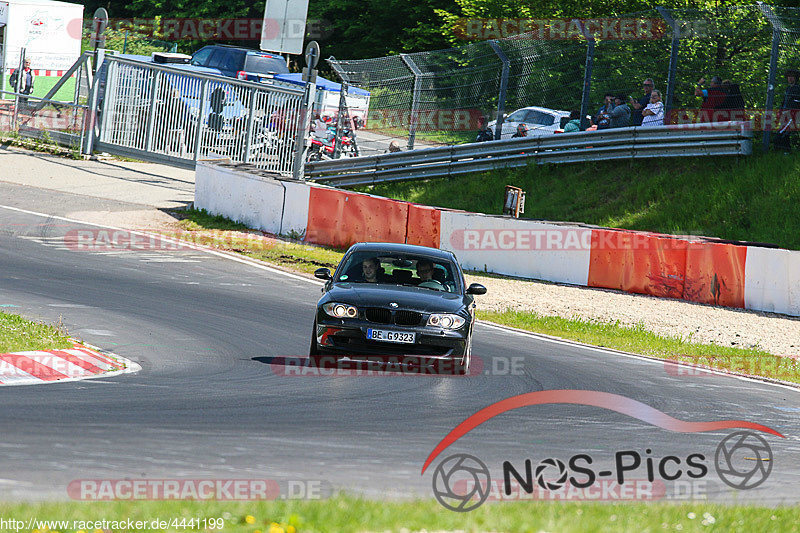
x=772 y=280
x=253 y=200
x=523 y=248
x=295 y=208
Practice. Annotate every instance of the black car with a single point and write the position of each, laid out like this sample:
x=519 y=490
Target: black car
x=390 y=299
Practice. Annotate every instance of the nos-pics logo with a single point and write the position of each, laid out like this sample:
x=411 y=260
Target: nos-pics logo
x=461 y=482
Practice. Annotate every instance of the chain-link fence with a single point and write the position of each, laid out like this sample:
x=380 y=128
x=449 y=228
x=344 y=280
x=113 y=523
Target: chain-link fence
x=564 y=65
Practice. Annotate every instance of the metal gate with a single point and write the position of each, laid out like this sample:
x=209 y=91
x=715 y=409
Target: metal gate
x=175 y=116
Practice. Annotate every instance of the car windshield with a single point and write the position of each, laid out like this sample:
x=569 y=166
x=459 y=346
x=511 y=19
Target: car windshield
x=398 y=269
x=265 y=64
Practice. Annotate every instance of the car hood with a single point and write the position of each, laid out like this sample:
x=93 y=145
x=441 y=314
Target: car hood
x=380 y=295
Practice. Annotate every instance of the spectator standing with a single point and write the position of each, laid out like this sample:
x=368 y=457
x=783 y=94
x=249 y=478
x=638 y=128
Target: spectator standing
x=603 y=117
x=791 y=103
x=25 y=82
x=574 y=123
x=639 y=105
x=621 y=114
x=714 y=99
x=653 y=114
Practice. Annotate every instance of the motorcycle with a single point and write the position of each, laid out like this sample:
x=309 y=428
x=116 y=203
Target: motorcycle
x=325 y=147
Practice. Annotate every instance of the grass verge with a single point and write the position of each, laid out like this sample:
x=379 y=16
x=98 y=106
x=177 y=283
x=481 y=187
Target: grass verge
x=753 y=198
x=345 y=513
x=224 y=234
x=18 y=334
x=639 y=340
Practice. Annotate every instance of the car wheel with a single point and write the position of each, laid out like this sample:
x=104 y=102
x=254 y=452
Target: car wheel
x=462 y=366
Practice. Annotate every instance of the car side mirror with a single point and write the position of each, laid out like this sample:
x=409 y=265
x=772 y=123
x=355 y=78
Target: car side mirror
x=476 y=288
x=324 y=273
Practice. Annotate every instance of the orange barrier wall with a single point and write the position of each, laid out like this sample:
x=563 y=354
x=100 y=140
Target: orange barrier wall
x=424 y=225
x=715 y=274
x=338 y=218
x=637 y=262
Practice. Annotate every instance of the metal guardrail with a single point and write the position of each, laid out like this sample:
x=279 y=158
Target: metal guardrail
x=691 y=140
x=176 y=116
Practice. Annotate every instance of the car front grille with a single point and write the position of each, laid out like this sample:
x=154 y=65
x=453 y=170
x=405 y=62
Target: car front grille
x=407 y=318
x=380 y=315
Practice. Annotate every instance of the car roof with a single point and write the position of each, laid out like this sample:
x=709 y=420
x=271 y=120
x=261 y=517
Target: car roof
x=543 y=110
x=393 y=247
x=248 y=50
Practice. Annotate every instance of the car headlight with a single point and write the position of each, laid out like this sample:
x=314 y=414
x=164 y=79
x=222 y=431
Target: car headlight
x=446 y=321
x=340 y=310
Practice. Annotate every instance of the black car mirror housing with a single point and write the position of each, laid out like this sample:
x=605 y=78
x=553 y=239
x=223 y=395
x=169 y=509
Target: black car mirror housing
x=476 y=288
x=324 y=273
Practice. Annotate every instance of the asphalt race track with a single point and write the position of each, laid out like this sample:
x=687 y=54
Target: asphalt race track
x=213 y=400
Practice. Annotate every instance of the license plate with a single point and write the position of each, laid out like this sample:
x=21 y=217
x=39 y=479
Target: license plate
x=391 y=336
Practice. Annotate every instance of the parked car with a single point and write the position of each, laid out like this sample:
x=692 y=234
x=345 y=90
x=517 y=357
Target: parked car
x=388 y=299
x=238 y=62
x=539 y=121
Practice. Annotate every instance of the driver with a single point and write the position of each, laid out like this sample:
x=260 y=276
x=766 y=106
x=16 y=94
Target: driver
x=425 y=270
x=370 y=268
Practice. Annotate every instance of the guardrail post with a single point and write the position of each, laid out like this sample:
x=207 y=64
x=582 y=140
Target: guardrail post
x=777 y=27
x=501 y=99
x=673 y=60
x=587 y=73
x=412 y=126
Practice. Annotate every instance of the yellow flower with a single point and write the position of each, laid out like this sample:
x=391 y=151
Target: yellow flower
x=275 y=528
x=291 y=529
x=250 y=519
